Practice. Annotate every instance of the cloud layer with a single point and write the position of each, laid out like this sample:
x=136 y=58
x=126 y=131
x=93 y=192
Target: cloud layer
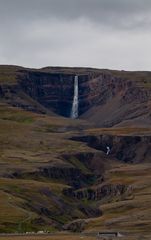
x=97 y=33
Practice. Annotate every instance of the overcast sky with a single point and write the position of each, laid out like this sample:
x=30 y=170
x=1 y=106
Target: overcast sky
x=113 y=34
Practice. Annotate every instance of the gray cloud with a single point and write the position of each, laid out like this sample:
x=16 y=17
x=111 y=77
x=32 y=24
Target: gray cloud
x=101 y=11
x=99 y=33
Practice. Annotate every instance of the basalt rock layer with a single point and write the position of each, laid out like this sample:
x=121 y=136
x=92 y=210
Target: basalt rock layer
x=134 y=149
x=106 y=97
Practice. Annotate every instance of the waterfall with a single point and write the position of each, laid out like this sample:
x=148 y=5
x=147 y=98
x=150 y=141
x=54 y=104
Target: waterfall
x=74 y=110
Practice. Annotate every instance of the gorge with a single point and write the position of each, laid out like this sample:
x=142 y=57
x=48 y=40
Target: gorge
x=55 y=125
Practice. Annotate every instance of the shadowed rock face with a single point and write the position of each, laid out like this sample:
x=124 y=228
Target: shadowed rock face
x=52 y=90
x=104 y=91
x=55 y=90
x=125 y=148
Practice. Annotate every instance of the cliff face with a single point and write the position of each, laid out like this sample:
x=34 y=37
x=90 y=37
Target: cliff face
x=105 y=98
x=55 y=90
x=125 y=148
x=115 y=98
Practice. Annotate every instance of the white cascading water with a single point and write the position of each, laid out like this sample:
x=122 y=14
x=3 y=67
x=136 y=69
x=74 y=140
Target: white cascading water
x=74 y=110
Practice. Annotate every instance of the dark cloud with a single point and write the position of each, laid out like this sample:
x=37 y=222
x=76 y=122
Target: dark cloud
x=101 y=33
x=106 y=12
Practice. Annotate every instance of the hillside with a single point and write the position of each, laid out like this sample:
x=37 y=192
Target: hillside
x=55 y=174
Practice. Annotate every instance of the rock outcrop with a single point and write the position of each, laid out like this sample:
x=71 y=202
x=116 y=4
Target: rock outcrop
x=75 y=226
x=100 y=192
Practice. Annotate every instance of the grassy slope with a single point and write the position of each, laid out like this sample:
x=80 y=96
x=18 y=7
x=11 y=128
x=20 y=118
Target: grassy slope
x=125 y=131
x=130 y=214
x=29 y=141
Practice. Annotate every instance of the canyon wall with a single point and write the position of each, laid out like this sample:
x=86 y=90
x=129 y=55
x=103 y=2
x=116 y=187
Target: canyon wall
x=134 y=149
x=104 y=98
x=55 y=91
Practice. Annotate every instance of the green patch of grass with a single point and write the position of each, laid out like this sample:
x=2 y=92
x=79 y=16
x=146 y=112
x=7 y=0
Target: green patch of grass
x=8 y=74
x=62 y=219
x=51 y=128
x=20 y=119
x=15 y=189
x=78 y=164
x=14 y=114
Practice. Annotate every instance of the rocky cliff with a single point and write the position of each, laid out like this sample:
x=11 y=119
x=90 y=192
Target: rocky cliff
x=125 y=148
x=106 y=98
